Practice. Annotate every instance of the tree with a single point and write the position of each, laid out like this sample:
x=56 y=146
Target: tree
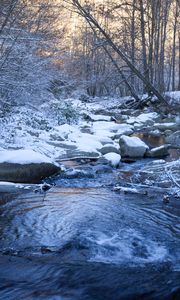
x=28 y=35
x=91 y=20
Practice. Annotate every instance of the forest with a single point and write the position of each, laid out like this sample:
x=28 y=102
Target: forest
x=64 y=46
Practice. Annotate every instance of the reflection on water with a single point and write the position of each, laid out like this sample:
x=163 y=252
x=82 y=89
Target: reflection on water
x=88 y=243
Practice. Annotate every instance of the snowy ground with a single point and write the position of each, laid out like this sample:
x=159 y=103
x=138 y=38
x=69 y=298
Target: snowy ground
x=50 y=130
x=39 y=130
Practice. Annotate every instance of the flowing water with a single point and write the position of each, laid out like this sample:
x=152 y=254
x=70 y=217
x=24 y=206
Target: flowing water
x=82 y=241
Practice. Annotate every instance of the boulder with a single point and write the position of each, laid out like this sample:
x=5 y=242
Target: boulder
x=78 y=154
x=145 y=118
x=166 y=126
x=113 y=159
x=109 y=148
x=174 y=139
x=25 y=166
x=124 y=129
x=28 y=173
x=132 y=146
x=160 y=151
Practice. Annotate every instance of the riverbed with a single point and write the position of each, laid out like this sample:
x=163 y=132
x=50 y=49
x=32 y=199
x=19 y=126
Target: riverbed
x=83 y=240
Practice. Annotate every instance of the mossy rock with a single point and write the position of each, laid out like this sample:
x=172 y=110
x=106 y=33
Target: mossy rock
x=28 y=173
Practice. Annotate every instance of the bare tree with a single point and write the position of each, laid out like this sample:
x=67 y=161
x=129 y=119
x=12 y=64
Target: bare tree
x=84 y=13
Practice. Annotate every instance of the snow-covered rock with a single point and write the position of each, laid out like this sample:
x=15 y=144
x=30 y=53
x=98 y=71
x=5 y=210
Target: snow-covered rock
x=78 y=154
x=108 y=126
x=124 y=129
x=166 y=126
x=113 y=158
x=93 y=117
x=109 y=148
x=174 y=139
x=132 y=146
x=88 y=142
x=145 y=118
x=160 y=151
x=25 y=166
x=23 y=156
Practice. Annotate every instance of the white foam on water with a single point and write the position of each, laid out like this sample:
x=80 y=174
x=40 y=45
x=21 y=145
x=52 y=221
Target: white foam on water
x=126 y=246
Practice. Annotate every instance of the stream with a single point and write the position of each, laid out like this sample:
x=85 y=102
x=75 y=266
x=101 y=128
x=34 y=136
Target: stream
x=82 y=241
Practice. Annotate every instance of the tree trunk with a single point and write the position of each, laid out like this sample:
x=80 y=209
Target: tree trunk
x=179 y=64
x=174 y=50
x=143 y=39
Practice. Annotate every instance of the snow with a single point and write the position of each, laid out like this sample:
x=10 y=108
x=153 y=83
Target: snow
x=103 y=137
x=104 y=131
x=99 y=118
x=7 y=183
x=143 y=118
x=66 y=129
x=158 y=161
x=107 y=126
x=24 y=156
x=87 y=142
x=133 y=141
x=164 y=126
x=124 y=129
x=113 y=158
x=174 y=95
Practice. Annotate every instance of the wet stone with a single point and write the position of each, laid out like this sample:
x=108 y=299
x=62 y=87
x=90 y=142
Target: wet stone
x=29 y=173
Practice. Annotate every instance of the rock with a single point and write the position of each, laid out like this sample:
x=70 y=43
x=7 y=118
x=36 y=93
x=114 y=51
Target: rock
x=84 y=98
x=167 y=132
x=109 y=148
x=79 y=173
x=106 y=126
x=145 y=118
x=33 y=133
x=155 y=133
x=28 y=173
x=128 y=190
x=132 y=146
x=103 y=111
x=95 y=118
x=177 y=119
x=78 y=154
x=158 y=151
x=166 y=126
x=101 y=169
x=158 y=162
x=166 y=199
x=56 y=137
x=102 y=161
x=113 y=159
x=124 y=129
x=45 y=187
x=174 y=139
